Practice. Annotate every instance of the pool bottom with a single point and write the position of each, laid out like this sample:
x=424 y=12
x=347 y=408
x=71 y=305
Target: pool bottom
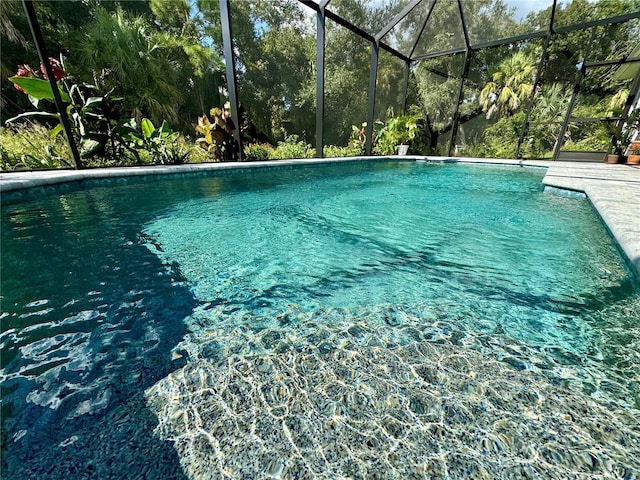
x=422 y=410
x=364 y=398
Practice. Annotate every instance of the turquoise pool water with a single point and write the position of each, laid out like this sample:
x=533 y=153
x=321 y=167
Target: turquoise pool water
x=392 y=319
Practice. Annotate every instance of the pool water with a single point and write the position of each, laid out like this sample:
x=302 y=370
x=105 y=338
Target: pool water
x=367 y=320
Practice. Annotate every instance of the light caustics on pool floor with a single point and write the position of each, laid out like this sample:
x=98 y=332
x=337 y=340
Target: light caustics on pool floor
x=394 y=321
x=395 y=328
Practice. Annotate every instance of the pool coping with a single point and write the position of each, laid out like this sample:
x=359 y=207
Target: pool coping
x=614 y=190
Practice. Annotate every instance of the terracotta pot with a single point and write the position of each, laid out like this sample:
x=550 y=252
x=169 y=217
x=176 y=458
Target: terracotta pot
x=613 y=158
x=633 y=160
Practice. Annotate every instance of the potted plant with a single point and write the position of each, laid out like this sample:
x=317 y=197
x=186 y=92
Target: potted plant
x=621 y=136
x=634 y=154
x=396 y=134
x=617 y=143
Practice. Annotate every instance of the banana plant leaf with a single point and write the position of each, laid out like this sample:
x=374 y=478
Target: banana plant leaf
x=33 y=114
x=147 y=128
x=38 y=88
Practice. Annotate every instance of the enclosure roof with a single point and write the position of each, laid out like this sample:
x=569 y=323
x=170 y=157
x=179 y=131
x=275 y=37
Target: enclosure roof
x=420 y=29
x=629 y=70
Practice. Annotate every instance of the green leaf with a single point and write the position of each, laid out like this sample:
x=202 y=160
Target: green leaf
x=38 y=88
x=74 y=89
x=147 y=127
x=56 y=131
x=34 y=101
x=63 y=95
x=129 y=125
x=32 y=114
x=164 y=128
x=77 y=120
x=88 y=147
x=93 y=101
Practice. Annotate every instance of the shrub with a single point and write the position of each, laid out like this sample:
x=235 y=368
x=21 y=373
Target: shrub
x=90 y=110
x=385 y=137
x=159 y=143
x=398 y=130
x=587 y=144
x=256 y=152
x=358 y=138
x=174 y=154
x=501 y=138
x=475 y=150
x=292 y=147
x=196 y=153
x=332 y=151
x=217 y=135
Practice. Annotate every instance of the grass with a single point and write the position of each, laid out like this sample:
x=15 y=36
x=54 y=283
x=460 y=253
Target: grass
x=31 y=148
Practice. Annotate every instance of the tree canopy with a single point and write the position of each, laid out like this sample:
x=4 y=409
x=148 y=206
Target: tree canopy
x=163 y=59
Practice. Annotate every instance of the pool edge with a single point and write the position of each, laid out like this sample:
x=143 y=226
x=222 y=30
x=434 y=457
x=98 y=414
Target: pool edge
x=614 y=193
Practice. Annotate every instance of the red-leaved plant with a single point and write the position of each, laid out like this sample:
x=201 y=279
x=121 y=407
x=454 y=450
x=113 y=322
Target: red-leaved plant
x=27 y=80
x=84 y=105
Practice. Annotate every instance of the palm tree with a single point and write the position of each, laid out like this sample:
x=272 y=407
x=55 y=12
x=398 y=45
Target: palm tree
x=510 y=85
x=549 y=110
x=140 y=69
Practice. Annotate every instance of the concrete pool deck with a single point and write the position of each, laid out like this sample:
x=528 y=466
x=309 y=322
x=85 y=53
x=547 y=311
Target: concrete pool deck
x=614 y=190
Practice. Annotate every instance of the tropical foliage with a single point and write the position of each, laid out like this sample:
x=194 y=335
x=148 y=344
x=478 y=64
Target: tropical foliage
x=510 y=86
x=217 y=135
x=127 y=66
x=398 y=130
x=85 y=107
x=160 y=143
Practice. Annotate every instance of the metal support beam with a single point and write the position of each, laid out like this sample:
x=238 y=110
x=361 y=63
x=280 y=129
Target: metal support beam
x=397 y=19
x=633 y=95
x=373 y=75
x=442 y=53
x=574 y=98
x=536 y=84
x=232 y=80
x=463 y=20
x=406 y=87
x=596 y=23
x=609 y=63
x=505 y=41
x=351 y=27
x=320 y=43
x=424 y=25
x=465 y=73
x=456 y=115
x=538 y=34
x=631 y=100
x=44 y=60
x=514 y=39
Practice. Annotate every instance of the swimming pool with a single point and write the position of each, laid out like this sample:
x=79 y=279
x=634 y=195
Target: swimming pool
x=408 y=320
